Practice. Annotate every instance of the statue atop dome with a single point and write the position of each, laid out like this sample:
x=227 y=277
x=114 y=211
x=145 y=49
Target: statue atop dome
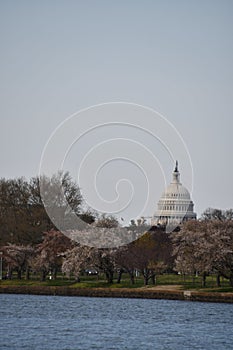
x=176 y=174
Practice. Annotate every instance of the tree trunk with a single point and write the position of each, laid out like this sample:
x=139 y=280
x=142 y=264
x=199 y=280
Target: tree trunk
x=19 y=273
x=193 y=279
x=203 y=283
x=153 y=279
x=109 y=276
x=120 y=272
x=27 y=276
x=43 y=276
x=131 y=275
x=146 y=277
x=9 y=274
x=231 y=279
x=218 y=280
x=54 y=274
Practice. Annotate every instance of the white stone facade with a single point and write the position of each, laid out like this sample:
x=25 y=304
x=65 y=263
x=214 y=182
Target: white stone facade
x=175 y=205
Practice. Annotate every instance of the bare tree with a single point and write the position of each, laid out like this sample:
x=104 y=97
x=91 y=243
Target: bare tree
x=23 y=217
x=217 y=214
x=106 y=221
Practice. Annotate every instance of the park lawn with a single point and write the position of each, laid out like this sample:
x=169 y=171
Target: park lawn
x=100 y=282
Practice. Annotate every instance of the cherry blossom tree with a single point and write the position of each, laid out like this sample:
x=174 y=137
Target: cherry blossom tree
x=221 y=237
x=193 y=250
x=49 y=253
x=104 y=260
x=205 y=246
x=19 y=258
x=75 y=260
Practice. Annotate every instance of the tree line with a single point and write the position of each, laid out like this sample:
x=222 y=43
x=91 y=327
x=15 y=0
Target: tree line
x=206 y=246
x=23 y=217
x=30 y=242
x=150 y=255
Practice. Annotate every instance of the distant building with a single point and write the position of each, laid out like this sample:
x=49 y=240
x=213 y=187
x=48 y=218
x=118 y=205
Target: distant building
x=175 y=205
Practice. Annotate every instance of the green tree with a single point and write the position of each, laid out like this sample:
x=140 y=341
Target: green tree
x=150 y=254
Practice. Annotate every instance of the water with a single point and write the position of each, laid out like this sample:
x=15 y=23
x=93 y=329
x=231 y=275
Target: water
x=33 y=322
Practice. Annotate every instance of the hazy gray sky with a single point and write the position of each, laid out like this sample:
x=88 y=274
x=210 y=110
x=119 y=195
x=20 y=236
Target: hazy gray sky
x=173 y=56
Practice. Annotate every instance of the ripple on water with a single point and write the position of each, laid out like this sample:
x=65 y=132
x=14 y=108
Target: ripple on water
x=72 y=323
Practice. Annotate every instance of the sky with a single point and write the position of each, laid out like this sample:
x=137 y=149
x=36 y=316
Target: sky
x=174 y=57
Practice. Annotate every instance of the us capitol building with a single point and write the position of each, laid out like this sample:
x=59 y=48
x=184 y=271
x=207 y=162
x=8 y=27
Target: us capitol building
x=175 y=205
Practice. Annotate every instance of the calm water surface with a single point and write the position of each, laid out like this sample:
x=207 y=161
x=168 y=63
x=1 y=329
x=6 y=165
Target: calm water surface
x=68 y=323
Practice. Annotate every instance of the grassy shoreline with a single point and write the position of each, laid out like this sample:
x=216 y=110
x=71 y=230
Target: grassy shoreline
x=170 y=292
x=168 y=286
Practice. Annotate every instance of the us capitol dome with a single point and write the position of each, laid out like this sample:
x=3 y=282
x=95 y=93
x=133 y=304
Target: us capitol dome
x=175 y=205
